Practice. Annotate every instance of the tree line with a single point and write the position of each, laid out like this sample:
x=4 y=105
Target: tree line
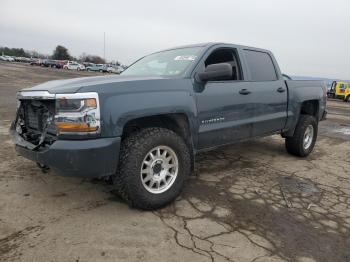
x=59 y=53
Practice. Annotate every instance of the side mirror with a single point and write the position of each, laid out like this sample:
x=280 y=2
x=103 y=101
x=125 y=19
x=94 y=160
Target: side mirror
x=222 y=71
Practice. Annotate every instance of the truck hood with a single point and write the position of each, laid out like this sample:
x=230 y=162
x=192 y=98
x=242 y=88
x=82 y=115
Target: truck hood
x=76 y=84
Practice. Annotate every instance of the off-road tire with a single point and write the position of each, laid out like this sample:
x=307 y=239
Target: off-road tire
x=294 y=144
x=347 y=98
x=127 y=181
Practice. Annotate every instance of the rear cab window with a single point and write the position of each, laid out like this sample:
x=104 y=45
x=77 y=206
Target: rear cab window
x=260 y=65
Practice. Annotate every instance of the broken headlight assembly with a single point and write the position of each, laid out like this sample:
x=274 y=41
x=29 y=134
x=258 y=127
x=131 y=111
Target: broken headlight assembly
x=77 y=113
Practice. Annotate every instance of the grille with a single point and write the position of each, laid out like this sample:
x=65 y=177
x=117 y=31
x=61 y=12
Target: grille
x=34 y=117
x=36 y=114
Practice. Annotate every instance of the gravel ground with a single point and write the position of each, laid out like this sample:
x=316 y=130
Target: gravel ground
x=248 y=202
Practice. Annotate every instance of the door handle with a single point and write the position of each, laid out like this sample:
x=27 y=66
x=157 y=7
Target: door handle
x=281 y=89
x=244 y=92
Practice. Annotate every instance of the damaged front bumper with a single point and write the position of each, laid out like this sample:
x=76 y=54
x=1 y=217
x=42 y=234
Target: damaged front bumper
x=80 y=158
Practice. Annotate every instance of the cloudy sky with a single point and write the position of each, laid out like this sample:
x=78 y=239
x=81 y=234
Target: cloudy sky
x=308 y=37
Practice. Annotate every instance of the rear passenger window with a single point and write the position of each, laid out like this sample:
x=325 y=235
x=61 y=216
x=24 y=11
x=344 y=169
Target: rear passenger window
x=260 y=66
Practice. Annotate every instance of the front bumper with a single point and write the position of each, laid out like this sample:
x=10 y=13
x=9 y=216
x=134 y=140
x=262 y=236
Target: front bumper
x=80 y=158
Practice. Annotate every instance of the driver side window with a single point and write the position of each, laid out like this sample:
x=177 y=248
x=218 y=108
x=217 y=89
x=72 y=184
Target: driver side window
x=226 y=55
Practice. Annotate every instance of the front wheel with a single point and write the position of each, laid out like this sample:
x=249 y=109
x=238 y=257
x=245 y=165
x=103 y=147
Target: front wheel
x=304 y=138
x=347 y=99
x=154 y=164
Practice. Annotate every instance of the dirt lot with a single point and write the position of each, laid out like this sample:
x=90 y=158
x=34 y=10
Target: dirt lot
x=249 y=202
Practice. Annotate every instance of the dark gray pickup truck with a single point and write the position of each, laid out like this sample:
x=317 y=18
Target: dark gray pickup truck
x=143 y=129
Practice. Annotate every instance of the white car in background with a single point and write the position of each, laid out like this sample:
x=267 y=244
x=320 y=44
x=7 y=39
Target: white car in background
x=114 y=69
x=71 y=65
x=7 y=58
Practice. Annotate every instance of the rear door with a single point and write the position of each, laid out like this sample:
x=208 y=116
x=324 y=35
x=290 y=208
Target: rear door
x=268 y=93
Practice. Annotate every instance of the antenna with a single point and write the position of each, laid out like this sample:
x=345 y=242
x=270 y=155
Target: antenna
x=104 y=46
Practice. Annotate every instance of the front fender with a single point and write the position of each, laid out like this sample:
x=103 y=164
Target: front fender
x=121 y=108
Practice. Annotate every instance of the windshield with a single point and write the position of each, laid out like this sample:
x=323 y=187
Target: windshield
x=166 y=63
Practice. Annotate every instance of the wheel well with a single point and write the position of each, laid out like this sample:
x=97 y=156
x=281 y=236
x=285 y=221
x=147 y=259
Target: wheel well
x=175 y=122
x=178 y=123
x=310 y=108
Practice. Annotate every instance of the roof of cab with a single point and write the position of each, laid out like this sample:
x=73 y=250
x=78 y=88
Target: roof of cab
x=210 y=44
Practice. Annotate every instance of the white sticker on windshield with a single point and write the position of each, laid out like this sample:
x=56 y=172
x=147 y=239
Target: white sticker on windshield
x=185 y=57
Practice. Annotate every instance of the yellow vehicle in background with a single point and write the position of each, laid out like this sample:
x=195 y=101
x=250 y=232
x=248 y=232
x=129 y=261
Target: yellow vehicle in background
x=340 y=90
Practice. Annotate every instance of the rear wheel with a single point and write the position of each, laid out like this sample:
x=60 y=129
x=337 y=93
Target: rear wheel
x=304 y=138
x=154 y=163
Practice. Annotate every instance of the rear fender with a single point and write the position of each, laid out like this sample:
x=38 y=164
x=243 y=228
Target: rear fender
x=300 y=93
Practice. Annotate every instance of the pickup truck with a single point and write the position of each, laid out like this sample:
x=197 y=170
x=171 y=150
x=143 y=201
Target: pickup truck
x=97 y=68
x=143 y=129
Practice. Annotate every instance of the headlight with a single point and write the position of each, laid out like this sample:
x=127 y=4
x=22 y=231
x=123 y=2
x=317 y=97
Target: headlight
x=77 y=113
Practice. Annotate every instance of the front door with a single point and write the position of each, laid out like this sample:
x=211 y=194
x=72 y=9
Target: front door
x=224 y=114
x=224 y=107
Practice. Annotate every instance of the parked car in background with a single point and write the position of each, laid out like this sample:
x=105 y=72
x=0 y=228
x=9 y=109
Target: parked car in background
x=87 y=64
x=60 y=63
x=49 y=63
x=7 y=58
x=23 y=59
x=97 y=68
x=71 y=65
x=54 y=63
x=113 y=69
x=36 y=62
x=10 y=59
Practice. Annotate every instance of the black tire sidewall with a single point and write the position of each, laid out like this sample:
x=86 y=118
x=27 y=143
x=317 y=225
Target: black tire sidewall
x=133 y=182
x=301 y=128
